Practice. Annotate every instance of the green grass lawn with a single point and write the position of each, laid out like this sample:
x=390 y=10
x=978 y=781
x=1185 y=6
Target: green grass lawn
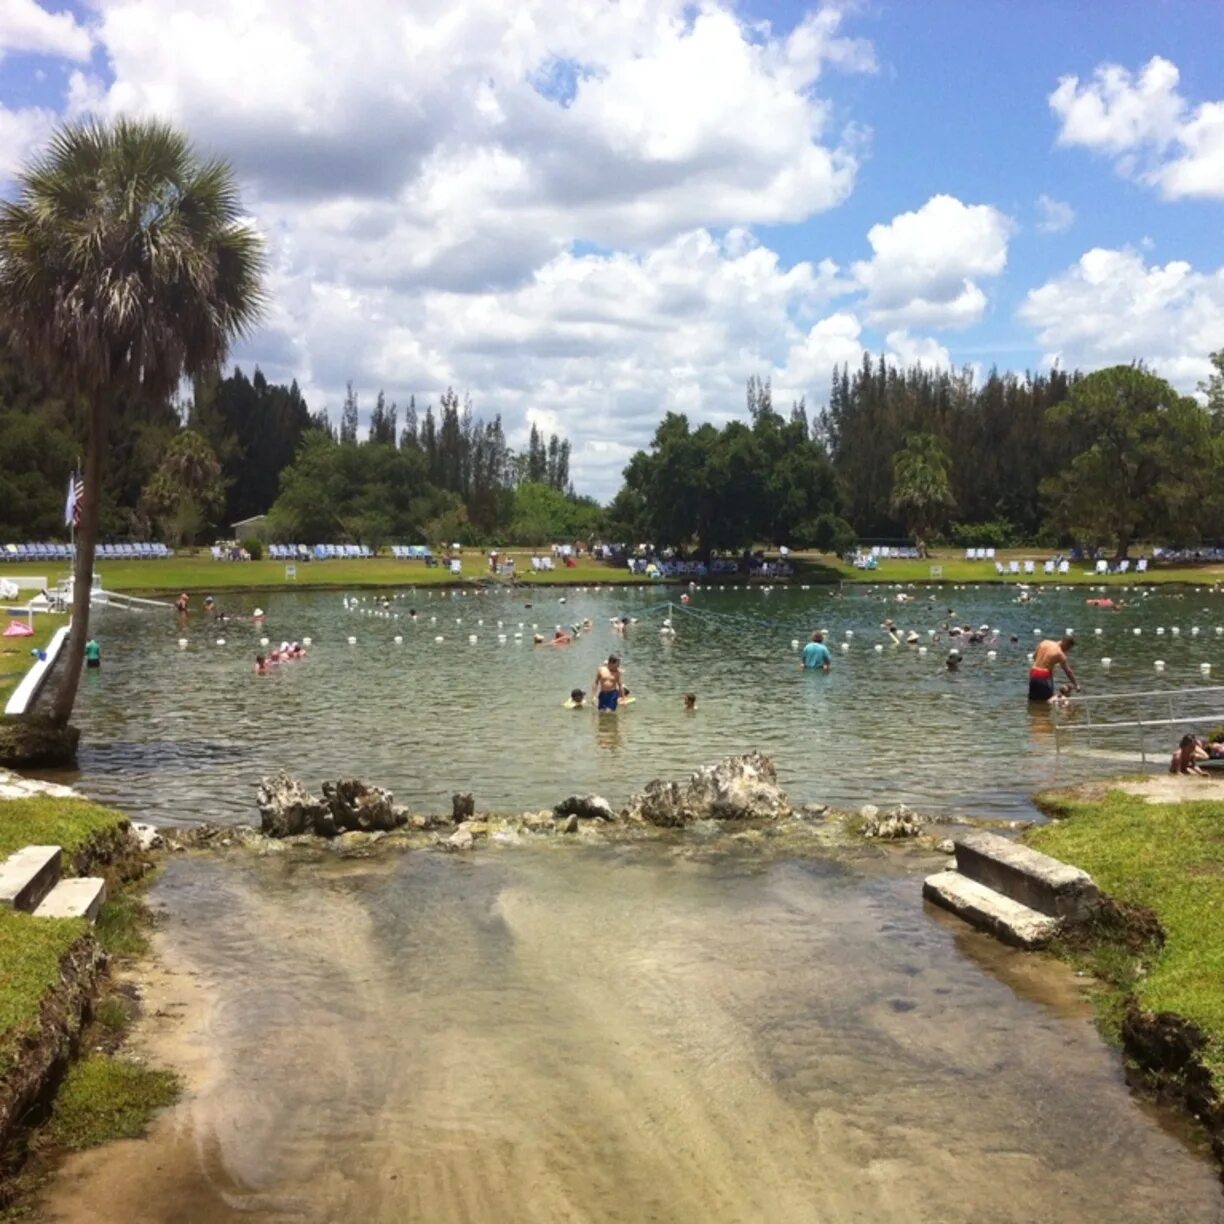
x=1170 y=859
x=200 y=574
x=15 y=657
x=105 y=1097
x=46 y=821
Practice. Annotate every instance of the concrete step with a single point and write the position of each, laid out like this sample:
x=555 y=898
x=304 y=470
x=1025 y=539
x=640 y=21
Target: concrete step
x=80 y=897
x=28 y=875
x=982 y=907
x=1034 y=879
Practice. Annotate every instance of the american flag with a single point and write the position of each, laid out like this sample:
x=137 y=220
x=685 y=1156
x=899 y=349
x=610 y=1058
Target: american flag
x=76 y=491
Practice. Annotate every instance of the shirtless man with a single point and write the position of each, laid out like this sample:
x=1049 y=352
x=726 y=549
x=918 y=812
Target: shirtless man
x=609 y=685
x=1049 y=655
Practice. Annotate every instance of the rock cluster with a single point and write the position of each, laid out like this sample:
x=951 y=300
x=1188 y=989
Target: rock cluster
x=585 y=807
x=736 y=788
x=287 y=808
x=897 y=822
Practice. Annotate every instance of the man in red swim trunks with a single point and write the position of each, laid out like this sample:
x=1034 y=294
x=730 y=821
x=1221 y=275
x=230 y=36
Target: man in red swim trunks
x=1049 y=655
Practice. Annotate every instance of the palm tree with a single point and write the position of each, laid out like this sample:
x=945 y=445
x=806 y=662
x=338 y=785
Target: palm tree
x=126 y=264
x=922 y=490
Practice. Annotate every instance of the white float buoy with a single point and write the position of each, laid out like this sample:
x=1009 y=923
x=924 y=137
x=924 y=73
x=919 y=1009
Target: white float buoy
x=1195 y=631
x=1106 y=661
x=182 y=643
x=438 y=639
x=922 y=650
x=308 y=641
x=220 y=641
x=352 y=641
x=501 y=639
x=1098 y=631
x=1138 y=631
x=1160 y=631
x=849 y=633
x=845 y=646
x=1175 y=631
x=263 y=641
x=1205 y=668
x=879 y=648
x=992 y=654
x=1159 y=664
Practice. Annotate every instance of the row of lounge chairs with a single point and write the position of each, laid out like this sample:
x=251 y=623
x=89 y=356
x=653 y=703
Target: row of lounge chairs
x=899 y=552
x=1063 y=566
x=979 y=554
x=65 y=552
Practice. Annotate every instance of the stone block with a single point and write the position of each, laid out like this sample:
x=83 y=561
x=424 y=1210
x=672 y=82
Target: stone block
x=80 y=897
x=982 y=907
x=1034 y=879
x=27 y=876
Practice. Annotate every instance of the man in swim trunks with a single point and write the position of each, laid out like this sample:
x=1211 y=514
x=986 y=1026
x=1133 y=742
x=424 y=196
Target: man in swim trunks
x=609 y=685
x=1049 y=655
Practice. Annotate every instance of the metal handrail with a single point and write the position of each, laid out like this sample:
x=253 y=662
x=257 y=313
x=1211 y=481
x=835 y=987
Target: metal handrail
x=1139 y=723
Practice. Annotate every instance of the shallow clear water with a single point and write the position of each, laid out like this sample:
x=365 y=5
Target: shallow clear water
x=183 y=735
x=651 y=1032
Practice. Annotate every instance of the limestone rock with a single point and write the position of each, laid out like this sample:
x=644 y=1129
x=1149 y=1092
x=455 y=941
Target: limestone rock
x=147 y=837
x=32 y=742
x=897 y=822
x=460 y=839
x=538 y=822
x=463 y=807
x=585 y=807
x=736 y=788
x=570 y=825
x=288 y=809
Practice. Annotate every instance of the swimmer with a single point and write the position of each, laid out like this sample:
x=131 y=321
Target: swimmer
x=953 y=660
x=181 y=604
x=816 y=655
x=690 y=701
x=258 y=614
x=261 y=665
x=609 y=685
x=412 y=613
x=537 y=639
x=1187 y=756
x=93 y=654
x=666 y=629
x=1062 y=699
x=210 y=604
x=561 y=638
x=1049 y=655
x=577 y=699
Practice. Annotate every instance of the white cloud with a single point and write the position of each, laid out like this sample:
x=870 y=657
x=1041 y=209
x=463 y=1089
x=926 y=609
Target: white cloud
x=598 y=345
x=914 y=350
x=27 y=26
x=926 y=263
x=21 y=132
x=1146 y=124
x=480 y=138
x=1110 y=307
x=1055 y=215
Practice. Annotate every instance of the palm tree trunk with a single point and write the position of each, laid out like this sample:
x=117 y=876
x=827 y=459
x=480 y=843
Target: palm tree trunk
x=86 y=544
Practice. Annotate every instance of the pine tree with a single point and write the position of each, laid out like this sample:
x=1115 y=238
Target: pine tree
x=348 y=418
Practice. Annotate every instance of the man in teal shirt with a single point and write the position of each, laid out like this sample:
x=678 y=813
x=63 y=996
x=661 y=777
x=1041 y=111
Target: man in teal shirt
x=816 y=654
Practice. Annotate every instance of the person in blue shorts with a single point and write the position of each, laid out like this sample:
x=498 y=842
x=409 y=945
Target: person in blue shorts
x=816 y=654
x=609 y=685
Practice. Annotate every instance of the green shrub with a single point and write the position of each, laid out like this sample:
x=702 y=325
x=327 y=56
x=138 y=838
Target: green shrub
x=254 y=547
x=999 y=533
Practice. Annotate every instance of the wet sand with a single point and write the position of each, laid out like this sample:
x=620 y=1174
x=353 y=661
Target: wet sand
x=618 y=1034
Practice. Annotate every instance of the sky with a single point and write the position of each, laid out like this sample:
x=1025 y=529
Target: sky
x=585 y=213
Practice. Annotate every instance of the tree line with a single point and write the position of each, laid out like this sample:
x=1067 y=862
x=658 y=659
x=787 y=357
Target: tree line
x=1053 y=459
x=242 y=446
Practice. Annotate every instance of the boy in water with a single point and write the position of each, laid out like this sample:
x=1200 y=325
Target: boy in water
x=261 y=665
x=577 y=699
x=690 y=701
x=609 y=685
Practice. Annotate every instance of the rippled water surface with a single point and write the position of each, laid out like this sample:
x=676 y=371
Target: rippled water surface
x=183 y=735
x=652 y=1032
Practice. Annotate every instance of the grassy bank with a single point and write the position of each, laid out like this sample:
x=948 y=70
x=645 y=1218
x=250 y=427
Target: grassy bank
x=1168 y=859
x=201 y=575
x=32 y=949
x=15 y=657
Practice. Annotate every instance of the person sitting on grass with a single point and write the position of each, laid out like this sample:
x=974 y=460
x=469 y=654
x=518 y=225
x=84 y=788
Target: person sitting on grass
x=1187 y=756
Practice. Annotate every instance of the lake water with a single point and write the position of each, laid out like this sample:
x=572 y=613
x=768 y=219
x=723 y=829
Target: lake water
x=681 y=1028
x=184 y=735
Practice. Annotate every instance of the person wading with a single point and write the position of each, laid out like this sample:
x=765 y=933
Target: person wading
x=1049 y=655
